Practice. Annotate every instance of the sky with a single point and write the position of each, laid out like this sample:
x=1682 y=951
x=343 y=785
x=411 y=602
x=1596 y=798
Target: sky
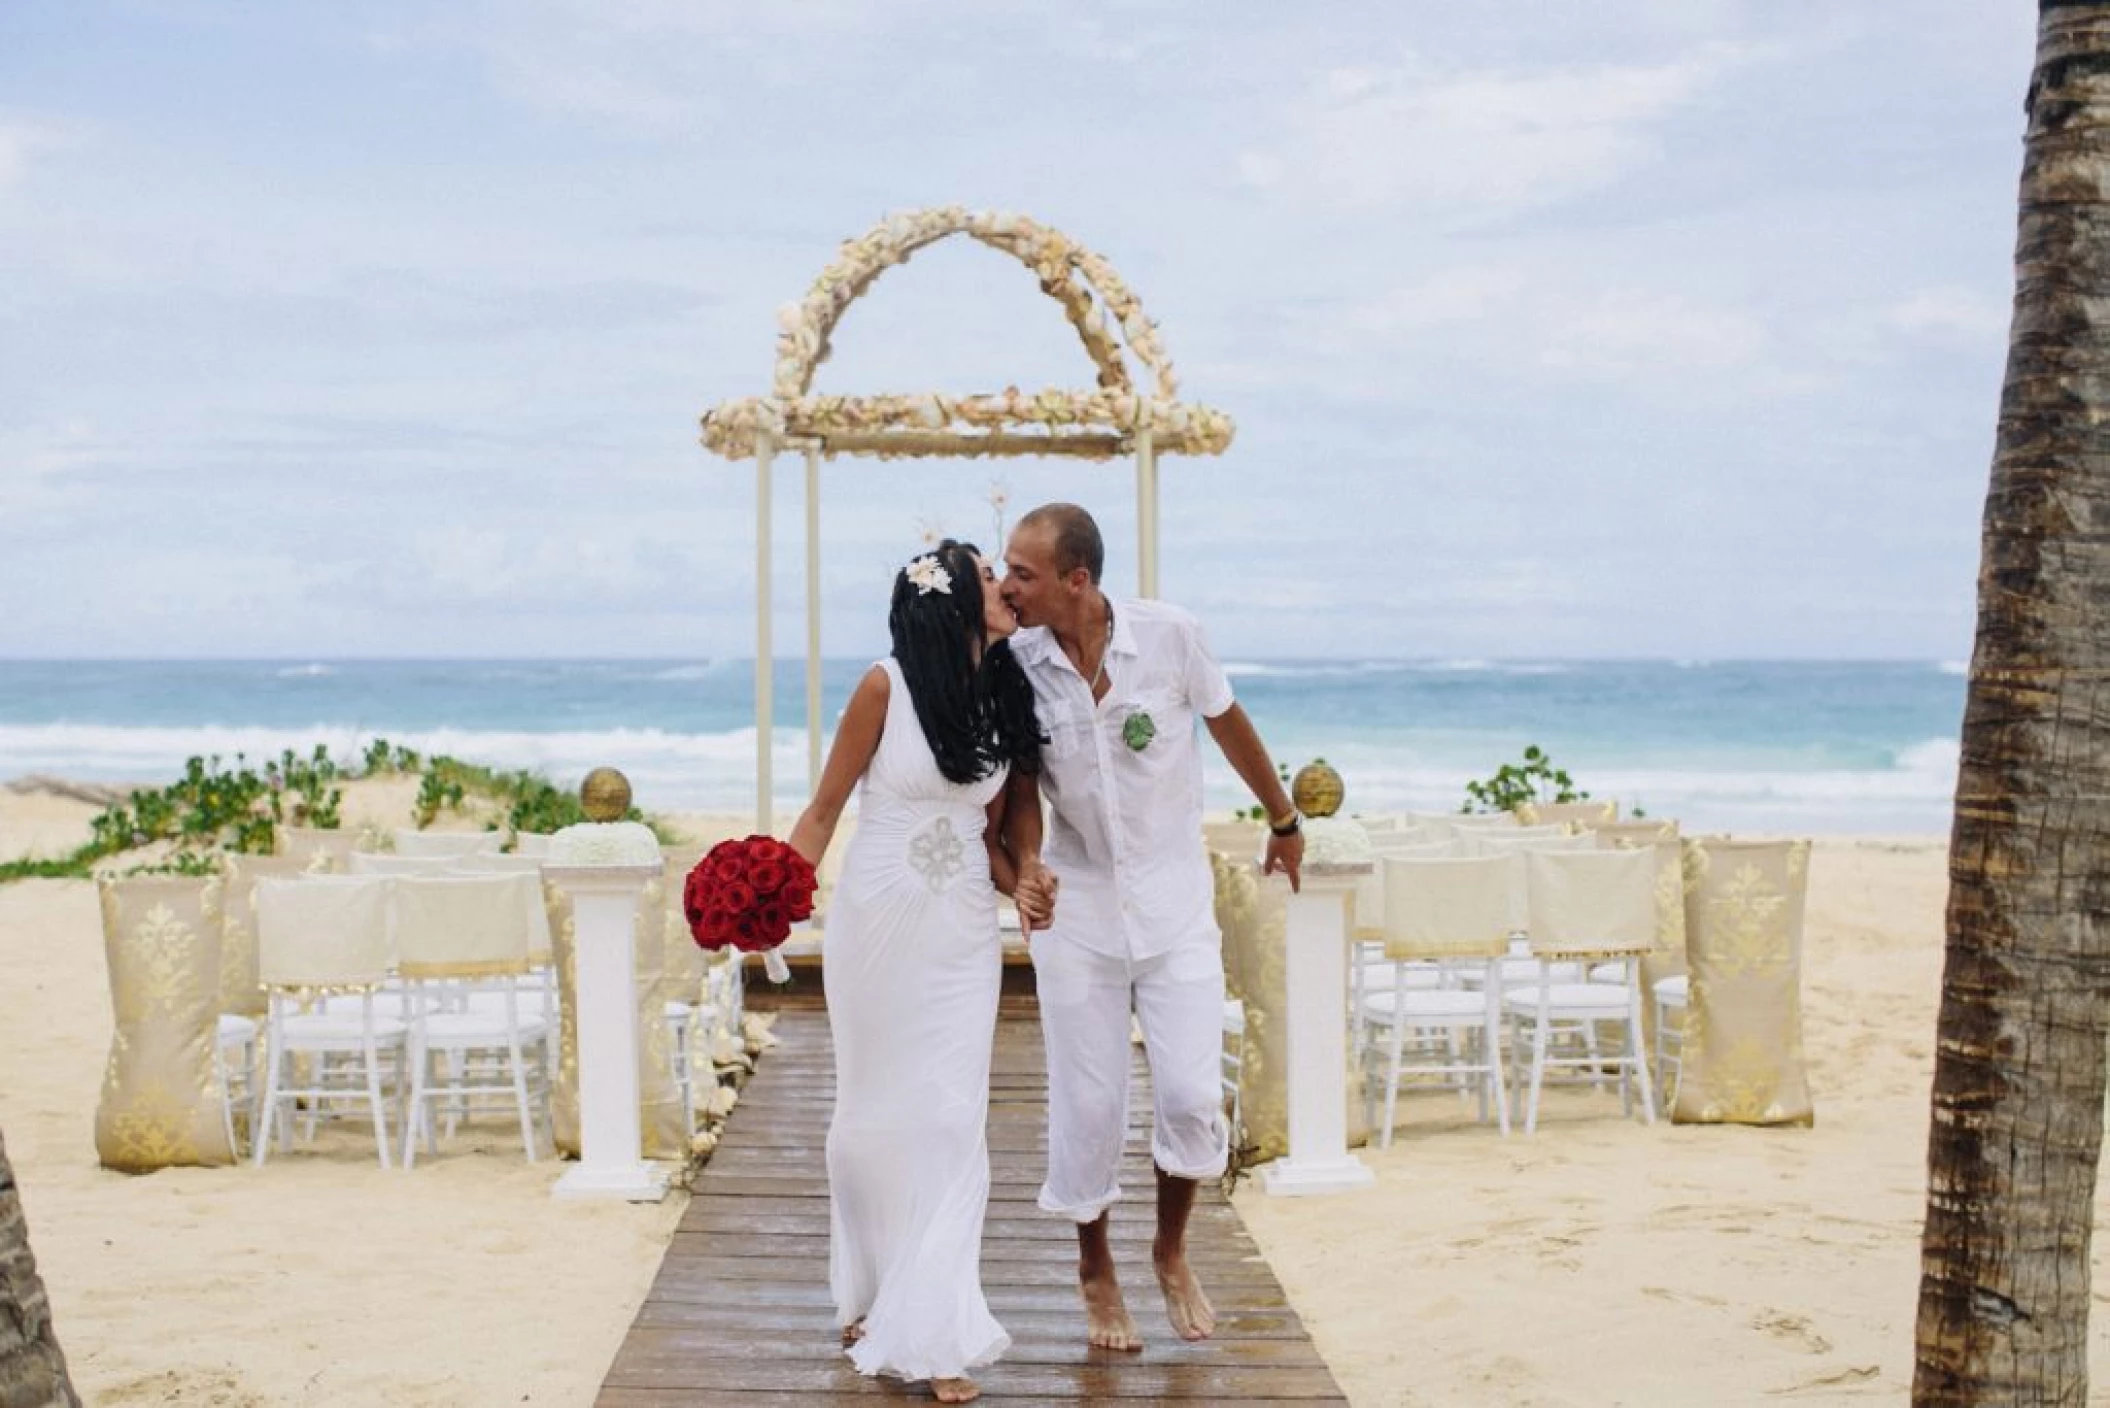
x=1644 y=328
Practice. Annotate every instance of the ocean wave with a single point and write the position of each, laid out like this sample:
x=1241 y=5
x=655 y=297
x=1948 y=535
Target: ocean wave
x=1953 y=667
x=667 y=769
x=1914 y=794
x=305 y=672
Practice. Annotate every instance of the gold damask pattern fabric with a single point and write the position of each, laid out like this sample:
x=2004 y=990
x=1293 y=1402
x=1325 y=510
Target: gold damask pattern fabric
x=240 y=992
x=1742 y=1061
x=161 y=1103
x=1667 y=958
x=1254 y=916
x=663 y=1126
x=683 y=966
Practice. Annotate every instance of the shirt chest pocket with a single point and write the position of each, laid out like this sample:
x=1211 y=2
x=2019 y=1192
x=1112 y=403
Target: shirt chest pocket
x=1069 y=731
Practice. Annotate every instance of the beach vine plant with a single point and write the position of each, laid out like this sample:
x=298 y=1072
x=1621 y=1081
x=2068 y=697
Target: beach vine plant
x=217 y=807
x=1535 y=779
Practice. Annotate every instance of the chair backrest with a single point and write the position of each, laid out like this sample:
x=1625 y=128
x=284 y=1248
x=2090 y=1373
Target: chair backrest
x=1450 y=907
x=412 y=842
x=1464 y=821
x=1614 y=835
x=1590 y=902
x=1528 y=838
x=308 y=842
x=1424 y=844
x=1541 y=813
x=461 y=926
x=239 y=990
x=322 y=930
x=381 y=863
x=493 y=863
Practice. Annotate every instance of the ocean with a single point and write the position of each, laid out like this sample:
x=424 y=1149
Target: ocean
x=1756 y=747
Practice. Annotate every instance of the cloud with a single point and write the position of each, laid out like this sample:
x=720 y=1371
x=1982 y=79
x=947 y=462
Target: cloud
x=1951 y=312
x=1471 y=146
x=20 y=142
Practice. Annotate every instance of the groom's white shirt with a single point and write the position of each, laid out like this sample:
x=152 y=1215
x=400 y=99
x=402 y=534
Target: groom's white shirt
x=1125 y=837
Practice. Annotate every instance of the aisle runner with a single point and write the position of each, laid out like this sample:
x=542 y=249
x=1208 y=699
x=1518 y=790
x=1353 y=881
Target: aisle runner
x=740 y=1313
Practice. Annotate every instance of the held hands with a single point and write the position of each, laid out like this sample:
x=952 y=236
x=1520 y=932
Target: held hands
x=1286 y=854
x=1035 y=897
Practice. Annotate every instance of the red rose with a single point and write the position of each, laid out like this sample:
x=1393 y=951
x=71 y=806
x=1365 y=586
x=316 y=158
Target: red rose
x=747 y=934
x=694 y=894
x=768 y=876
x=728 y=868
x=798 y=901
x=738 y=896
x=761 y=848
x=716 y=931
x=775 y=919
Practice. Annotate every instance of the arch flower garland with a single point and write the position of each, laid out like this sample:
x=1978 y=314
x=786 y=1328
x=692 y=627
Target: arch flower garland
x=1096 y=424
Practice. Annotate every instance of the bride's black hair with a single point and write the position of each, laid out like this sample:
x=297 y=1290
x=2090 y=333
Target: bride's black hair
x=975 y=718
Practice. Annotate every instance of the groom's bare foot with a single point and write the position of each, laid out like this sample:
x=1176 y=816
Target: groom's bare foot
x=956 y=1390
x=1193 y=1318
x=854 y=1331
x=1107 y=1323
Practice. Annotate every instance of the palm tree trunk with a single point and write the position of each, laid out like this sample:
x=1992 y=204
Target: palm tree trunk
x=32 y=1368
x=2019 y=1069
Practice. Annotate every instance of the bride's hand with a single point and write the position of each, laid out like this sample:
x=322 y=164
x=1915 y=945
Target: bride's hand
x=1035 y=898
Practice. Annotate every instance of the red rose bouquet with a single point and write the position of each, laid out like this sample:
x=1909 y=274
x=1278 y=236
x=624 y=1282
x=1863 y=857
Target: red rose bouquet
x=746 y=895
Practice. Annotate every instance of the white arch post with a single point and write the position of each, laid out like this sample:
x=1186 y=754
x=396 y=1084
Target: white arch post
x=765 y=655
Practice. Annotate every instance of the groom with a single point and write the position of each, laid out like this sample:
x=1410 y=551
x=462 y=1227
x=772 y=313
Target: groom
x=1117 y=686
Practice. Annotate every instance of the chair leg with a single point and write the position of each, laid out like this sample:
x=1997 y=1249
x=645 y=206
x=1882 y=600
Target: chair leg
x=415 y=1115
x=1399 y=1026
x=260 y=1132
x=373 y=1099
x=1538 y=1065
x=1635 y=1049
x=520 y=1094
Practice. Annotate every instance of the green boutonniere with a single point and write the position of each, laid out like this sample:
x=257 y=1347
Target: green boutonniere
x=1137 y=730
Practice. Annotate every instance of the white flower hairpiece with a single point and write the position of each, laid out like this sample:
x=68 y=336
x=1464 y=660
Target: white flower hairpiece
x=929 y=575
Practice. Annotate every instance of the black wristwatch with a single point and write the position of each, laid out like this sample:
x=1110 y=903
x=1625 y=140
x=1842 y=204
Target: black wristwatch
x=1288 y=828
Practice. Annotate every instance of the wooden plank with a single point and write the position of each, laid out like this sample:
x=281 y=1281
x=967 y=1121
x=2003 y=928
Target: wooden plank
x=740 y=1311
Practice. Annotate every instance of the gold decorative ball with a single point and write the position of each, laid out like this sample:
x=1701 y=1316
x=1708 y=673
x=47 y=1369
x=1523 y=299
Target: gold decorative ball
x=1317 y=790
x=605 y=794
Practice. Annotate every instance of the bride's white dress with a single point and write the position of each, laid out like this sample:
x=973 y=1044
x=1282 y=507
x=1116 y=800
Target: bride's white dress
x=912 y=966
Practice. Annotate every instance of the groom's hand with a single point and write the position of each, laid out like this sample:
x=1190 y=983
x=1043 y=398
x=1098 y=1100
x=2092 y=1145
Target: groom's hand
x=1286 y=854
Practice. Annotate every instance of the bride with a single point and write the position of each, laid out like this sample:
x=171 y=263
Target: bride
x=912 y=965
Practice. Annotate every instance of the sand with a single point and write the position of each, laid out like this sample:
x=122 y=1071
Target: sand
x=1599 y=1262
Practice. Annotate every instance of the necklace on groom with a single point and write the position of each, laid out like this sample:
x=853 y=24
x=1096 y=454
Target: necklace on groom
x=1105 y=648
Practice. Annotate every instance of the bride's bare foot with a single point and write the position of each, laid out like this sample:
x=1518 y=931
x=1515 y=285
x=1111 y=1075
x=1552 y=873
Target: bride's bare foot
x=854 y=1331
x=956 y=1390
x=1189 y=1310
x=1107 y=1323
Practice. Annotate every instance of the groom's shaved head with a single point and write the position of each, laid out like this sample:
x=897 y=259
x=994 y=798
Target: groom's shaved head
x=1074 y=536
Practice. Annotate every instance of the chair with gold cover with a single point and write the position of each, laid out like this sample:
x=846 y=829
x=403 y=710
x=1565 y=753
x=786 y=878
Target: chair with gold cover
x=1446 y=914
x=466 y=946
x=1594 y=908
x=320 y=935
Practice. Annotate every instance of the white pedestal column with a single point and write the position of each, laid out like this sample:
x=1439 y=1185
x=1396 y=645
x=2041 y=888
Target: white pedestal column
x=1315 y=950
x=604 y=913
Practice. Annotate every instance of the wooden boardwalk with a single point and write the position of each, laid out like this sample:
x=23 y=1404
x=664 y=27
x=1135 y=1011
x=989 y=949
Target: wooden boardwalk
x=740 y=1312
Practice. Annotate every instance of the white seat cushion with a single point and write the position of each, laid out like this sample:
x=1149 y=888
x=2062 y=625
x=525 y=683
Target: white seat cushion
x=1569 y=999
x=1430 y=1004
x=1671 y=991
x=462 y=1028
x=235 y=1030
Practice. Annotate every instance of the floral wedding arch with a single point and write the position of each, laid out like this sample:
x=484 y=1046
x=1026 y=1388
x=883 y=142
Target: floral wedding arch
x=1116 y=418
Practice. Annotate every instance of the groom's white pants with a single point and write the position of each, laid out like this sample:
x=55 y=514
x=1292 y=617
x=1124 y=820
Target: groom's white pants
x=1085 y=1001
